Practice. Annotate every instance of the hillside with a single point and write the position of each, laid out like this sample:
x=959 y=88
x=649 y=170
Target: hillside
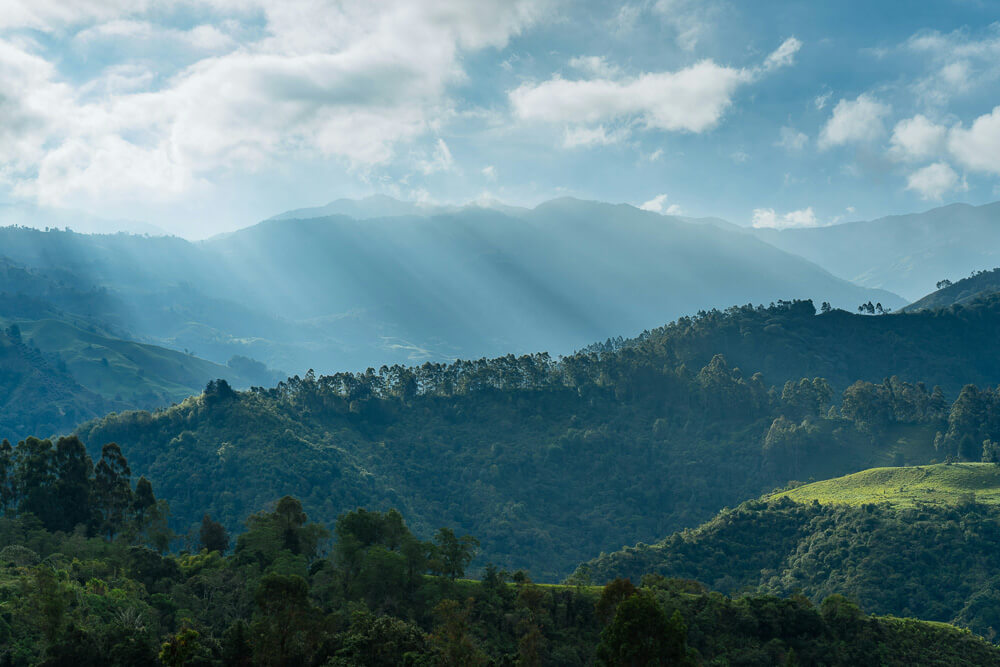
x=905 y=254
x=58 y=375
x=949 y=347
x=36 y=396
x=546 y=460
x=555 y=278
x=915 y=541
x=401 y=283
x=940 y=485
x=980 y=284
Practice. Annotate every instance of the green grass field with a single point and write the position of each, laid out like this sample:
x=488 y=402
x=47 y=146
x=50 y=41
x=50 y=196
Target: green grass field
x=939 y=484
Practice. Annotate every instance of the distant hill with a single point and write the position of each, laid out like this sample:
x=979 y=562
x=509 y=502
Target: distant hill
x=58 y=375
x=37 y=396
x=546 y=460
x=917 y=541
x=905 y=254
x=966 y=290
x=479 y=281
x=340 y=292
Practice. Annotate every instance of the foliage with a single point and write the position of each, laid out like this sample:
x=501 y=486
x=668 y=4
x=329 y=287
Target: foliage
x=90 y=601
x=929 y=548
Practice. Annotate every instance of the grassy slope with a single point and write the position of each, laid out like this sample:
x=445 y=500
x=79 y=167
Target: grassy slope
x=941 y=484
x=134 y=372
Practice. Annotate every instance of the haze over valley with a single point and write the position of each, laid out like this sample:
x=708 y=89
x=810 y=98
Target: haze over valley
x=522 y=332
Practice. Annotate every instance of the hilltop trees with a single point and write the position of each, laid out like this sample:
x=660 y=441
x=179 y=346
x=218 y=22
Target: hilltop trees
x=59 y=485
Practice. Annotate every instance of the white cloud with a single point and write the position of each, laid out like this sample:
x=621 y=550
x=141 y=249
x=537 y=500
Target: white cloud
x=441 y=160
x=917 y=138
x=958 y=61
x=595 y=65
x=792 y=140
x=489 y=172
x=693 y=99
x=820 y=100
x=784 y=55
x=766 y=218
x=739 y=157
x=934 y=180
x=658 y=204
x=347 y=80
x=690 y=19
x=581 y=136
x=655 y=155
x=857 y=121
x=978 y=147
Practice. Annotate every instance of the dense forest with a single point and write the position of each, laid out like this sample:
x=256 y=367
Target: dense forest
x=934 y=563
x=98 y=588
x=548 y=461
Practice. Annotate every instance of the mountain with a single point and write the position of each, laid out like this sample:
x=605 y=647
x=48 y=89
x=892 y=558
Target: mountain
x=905 y=254
x=481 y=282
x=338 y=292
x=964 y=291
x=550 y=460
x=373 y=206
x=914 y=541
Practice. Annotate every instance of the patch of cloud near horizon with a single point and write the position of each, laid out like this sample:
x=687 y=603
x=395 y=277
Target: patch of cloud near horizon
x=934 y=180
x=692 y=99
x=348 y=80
x=767 y=218
x=658 y=204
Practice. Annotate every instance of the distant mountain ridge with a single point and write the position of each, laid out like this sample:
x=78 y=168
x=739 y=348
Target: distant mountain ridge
x=339 y=292
x=906 y=254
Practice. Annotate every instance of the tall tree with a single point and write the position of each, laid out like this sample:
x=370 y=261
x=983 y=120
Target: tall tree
x=73 y=469
x=6 y=476
x=112 y=490
x=35 y=479
x=213 y=535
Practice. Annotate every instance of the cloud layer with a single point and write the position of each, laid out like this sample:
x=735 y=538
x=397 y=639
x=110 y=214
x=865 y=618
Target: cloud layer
x=348 y=81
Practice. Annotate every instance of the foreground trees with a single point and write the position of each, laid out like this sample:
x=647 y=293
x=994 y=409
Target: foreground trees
x=60 y=486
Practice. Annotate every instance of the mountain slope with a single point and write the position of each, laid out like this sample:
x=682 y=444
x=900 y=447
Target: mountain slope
x=907 y=541
x=905 y=254
x=338 y=292
x=480 y=282
x=967 y=290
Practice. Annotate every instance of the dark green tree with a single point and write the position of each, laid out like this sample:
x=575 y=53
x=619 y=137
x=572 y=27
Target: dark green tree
x=453 y=554
x=213 y=535
x=641 y=635
x=74 y=470
x=6 y=476
x=286 y=622
x=112 y=491
x=35 y=480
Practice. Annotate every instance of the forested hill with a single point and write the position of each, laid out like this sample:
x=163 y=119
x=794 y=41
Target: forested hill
x=966 y=290
x=916 y=541
x=550 y=462
x=948 y=347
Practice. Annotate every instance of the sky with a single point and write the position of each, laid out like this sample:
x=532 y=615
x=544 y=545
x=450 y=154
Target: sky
x=202 y=116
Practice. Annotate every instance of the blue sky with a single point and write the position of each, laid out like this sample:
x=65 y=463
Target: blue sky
x=204 y=115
